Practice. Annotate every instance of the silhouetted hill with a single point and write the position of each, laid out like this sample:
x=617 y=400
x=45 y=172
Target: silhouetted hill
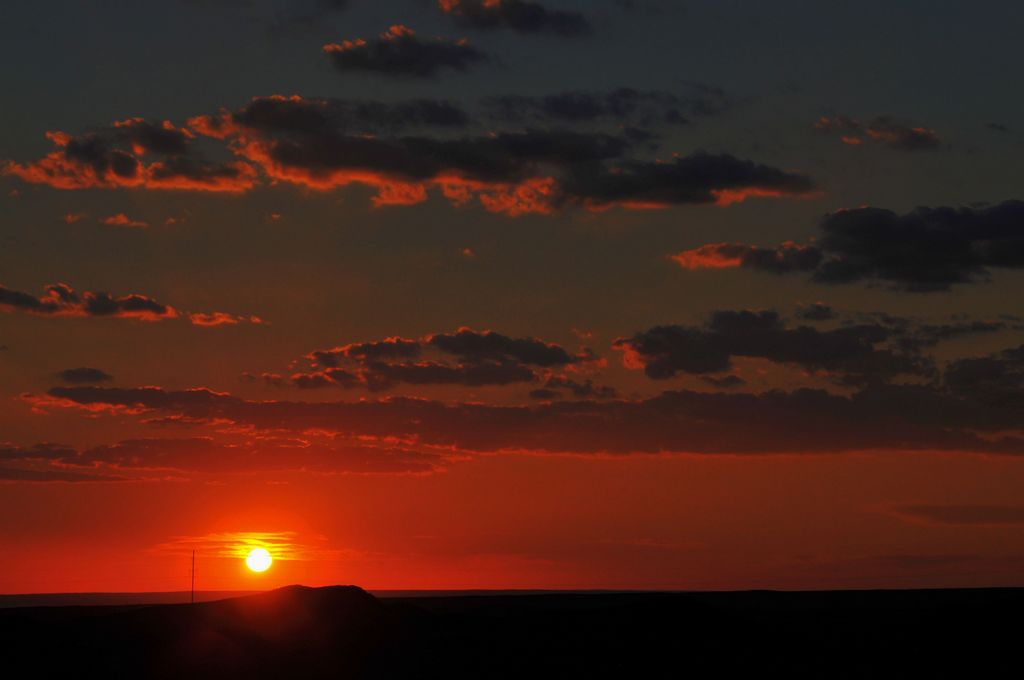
x=344 y=632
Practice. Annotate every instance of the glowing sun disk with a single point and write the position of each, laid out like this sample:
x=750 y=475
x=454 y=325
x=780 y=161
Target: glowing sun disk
x=258 y=559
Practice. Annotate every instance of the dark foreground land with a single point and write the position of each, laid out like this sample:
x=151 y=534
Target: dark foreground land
x=343 y=632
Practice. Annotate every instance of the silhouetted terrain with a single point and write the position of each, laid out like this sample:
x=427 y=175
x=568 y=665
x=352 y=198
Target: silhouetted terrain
x=343 y=632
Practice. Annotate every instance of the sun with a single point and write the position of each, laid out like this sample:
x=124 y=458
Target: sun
x=258 y=559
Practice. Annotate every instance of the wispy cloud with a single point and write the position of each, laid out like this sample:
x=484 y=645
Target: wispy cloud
x=282 y=545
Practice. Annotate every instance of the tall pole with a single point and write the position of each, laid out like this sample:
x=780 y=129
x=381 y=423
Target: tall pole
x=193 y=577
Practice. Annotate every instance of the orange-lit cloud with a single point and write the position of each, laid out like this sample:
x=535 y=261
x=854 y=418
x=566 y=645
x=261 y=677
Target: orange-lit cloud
x=61 y=300
x=924 y=250
x=221 y=319
x=114 y=158
x=883 y=129
x=324 y=144
x=282 y=545
x=122 y=220
x=400 y=52
x=786 y=257
x=522 y=16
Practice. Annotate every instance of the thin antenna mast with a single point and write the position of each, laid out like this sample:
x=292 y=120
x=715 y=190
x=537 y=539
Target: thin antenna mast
x=193 y=577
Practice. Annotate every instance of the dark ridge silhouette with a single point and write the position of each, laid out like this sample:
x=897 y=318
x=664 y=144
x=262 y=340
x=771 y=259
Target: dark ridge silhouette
x=344 y=632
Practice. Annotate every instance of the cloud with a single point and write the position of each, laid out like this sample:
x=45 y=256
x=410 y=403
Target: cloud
x=465 y=357
x=210 y=319
x=122 y=220
x=816 y=311
x=115 y=157
x=304 y=116
x=312 y=145
x=997 y=379
x=208 y=456
x=473 y=345
x=41 y=476
x=855 y=354
x=152 y=458
x=788 y=257
x=557 y=386
x=802 y=421
x=406 y=151
x=42 y=463
x=645 y=108
x=522 y=16
x=585 y=389
x=973 y=515
x=283 y=545
x=44 y=451
x=725 y=382
x=399 y=52
x=84 y=376
x=885 y=130
x=924 y=250
x=61 y=300
x=694 y=179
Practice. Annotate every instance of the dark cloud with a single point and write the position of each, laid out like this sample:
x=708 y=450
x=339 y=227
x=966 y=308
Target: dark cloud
x=405 y=150
x=998 y=127
x=886 y=130
x=698 y=178
x=816 y=312
x=471 y=345
x=917 y=336
x=61 y=300
x=644 y=108
x=963 y=514
x=997 y=379
x=855 y=354
x=558 y=386
x=480 y=358
x=786 y=258
x=654 y=7
x=84 y=376
x=924 y=250
x=522 y=16
x=207 y=456
x=268 y=379
x=44 y=463
x=144 y=458
x=545 y=394
x=585 y=389
x=44 y=451
x=399 y=52
x=511 y=172
x=390 y=348
x=725 y=382
x=878 y=417
x=380 y=375
x=298 y=115
x=53 y=475
x=116 y=157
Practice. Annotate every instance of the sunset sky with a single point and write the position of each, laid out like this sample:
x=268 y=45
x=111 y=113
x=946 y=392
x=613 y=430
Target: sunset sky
x=511 y=294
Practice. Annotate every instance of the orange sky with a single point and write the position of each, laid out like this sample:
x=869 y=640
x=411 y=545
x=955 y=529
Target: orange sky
x=560 y=522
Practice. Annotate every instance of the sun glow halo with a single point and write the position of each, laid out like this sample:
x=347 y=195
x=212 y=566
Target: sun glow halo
x=258 y=560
